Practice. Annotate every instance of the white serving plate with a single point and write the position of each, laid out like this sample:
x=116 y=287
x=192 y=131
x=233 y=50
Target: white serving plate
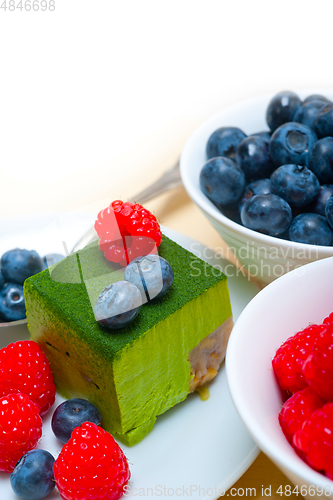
x=199 y=447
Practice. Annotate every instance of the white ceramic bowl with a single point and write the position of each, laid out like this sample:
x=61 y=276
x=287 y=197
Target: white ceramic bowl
x=284 y=307
x=265 y=257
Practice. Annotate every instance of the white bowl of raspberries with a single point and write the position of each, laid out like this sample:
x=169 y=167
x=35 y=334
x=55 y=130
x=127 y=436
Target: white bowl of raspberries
x=280 y=372
x=261 y=172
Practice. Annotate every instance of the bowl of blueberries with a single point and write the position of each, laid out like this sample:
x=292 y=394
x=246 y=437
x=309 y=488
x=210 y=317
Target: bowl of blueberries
x=261 y=172
x=29 y=244
x=16 y=265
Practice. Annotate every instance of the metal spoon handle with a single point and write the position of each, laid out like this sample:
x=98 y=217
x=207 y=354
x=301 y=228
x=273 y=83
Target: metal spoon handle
x=168 y=180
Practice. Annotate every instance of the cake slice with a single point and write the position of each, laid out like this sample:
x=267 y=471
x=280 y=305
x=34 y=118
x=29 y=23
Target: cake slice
x=132 y=375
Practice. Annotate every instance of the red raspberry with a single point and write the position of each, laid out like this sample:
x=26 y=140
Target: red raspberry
x=126 y=231
x=8 y=388
x=25 y=368
x=20 y=429
x=297 y=409
x=315 y=440
x=329 y=319
x=91 y=465
x=289 y=358
x=318 y=368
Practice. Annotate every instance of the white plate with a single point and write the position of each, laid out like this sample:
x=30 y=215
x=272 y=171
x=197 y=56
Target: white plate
x=197 y=449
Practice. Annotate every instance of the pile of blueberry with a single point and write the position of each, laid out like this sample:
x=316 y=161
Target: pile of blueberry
x=278 y=182
x=145 y=278
x=33 y=476
x=15 y=267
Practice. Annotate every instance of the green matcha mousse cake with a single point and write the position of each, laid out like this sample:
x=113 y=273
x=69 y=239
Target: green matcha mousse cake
x=133 y=374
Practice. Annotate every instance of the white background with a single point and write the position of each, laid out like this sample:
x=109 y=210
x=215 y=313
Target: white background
x=99 y=96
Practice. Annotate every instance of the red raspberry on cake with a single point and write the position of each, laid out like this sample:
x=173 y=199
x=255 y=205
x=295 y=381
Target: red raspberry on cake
x=126 y=231
x=297 y=409
x=25 y=368
x=315 y=440
x=20 y=429
x=318 y=368
x=91 y=465
x=290 y=357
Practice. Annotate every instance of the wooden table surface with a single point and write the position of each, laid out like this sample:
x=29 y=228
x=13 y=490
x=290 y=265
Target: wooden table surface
x=177 y=211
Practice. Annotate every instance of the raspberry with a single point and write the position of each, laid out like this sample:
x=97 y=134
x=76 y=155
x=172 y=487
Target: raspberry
x=25 y=368
x=8 y=388
x=289 y=358
x=91 y=465
x=20 y=429
x=297 y=409
x=318 y=368
x=315 y=440
x=329 y=319
x=127 y=231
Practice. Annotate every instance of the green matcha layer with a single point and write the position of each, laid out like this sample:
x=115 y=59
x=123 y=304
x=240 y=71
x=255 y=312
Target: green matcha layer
x=136 y=373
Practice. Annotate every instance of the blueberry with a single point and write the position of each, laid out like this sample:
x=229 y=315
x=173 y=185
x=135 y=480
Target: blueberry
x=72 y=413
x=282 y=108
x=296 y=184
x=284 y=236
x=291 y=143
x=323 y=124
x=264 y=135
x=223 y=142
x=252 y=155
x=152 y=274
x=262 y=186
x=17 y=265
x=312 y=229
x=329 y=211
x=2 y=280
x=301 y=210
x=12 y=306
x=118 y=304
x=321 y=160
x=308 y=113
x=52 y=258
x=222 y=181
x=231 y=211
x=316 y=97
x=32 y=478
x=319 y=205
x=266 y=213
